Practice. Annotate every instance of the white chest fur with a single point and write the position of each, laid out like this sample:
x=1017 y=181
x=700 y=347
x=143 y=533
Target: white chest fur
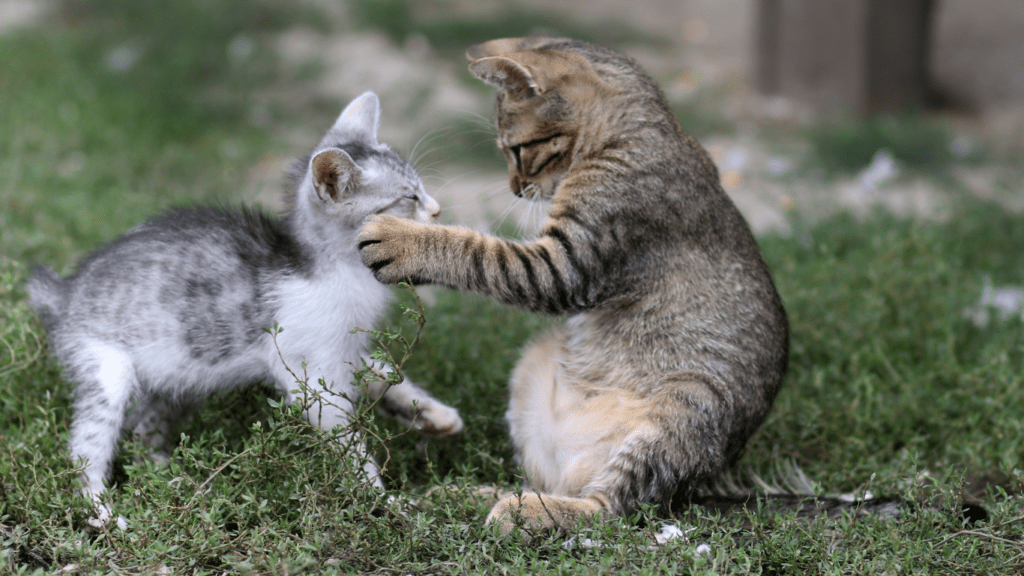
x=321 y=321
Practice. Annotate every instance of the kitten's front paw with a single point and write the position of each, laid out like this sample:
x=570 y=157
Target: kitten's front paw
x=387 y=245
x=437 y=420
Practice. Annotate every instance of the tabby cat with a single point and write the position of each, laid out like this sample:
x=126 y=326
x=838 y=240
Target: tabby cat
x=176 y=308
x=676 y=341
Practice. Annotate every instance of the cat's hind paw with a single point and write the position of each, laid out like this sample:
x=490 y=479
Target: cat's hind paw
x=539 y=513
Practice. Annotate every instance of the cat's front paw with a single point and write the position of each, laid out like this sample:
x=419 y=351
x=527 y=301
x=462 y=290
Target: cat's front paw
x=388 y=245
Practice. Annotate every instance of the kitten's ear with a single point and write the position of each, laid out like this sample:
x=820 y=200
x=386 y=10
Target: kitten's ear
x=334 y=174
x=360 y=120
x=506 y=74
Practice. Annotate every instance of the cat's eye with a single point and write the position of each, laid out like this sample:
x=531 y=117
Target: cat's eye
x=518 y=148
x=515 y=152
x=543 y=140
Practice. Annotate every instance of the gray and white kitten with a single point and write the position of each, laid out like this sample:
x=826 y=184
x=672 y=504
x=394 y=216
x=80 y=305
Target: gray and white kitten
x=176 y=308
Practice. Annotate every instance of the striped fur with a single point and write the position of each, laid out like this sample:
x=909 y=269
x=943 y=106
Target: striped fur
x=677 y=340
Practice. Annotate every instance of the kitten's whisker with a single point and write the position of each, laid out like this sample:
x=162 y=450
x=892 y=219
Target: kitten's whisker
x=429 y=136
x=524 y=226
x=431 y=165
x=450 y=181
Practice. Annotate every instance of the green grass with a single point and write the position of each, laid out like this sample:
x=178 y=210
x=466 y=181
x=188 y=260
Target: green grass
x=891 y=390
x=916 y=141
x=86 y=149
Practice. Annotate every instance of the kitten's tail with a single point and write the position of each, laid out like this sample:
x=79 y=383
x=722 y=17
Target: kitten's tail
x=47 y=293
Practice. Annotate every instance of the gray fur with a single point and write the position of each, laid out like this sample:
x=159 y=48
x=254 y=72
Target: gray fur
x=176 y=308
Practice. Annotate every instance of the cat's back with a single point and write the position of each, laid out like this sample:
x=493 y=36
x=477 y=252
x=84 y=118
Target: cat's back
x=679 y=281
x=201 y=270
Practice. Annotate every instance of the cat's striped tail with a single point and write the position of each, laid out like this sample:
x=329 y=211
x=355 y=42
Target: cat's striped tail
x=47 y=294
x=791 y=490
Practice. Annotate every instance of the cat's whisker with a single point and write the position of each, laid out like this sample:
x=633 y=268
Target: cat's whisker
x=497 y=190
x=431 y=174
x=541 y=215
x=500 y=221
x=528 y=223
x=443 y=185
x=479 y=119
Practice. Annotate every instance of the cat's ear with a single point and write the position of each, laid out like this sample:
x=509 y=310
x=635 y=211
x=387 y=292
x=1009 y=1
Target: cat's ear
x=506 y=74
x=334 y=173
x=506 y=46
x=360 y=120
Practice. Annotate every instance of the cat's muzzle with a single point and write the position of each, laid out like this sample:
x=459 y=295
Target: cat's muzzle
x=530 y=191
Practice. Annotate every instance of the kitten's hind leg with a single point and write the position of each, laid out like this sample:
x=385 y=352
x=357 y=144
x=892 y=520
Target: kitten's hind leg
x=415 y=407
x=106 y=383
x=150 y=422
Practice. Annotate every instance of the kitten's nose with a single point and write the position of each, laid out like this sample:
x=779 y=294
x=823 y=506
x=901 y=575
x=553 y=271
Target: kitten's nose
x=432 y=207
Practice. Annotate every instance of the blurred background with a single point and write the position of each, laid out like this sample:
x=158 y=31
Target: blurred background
x=808 y=107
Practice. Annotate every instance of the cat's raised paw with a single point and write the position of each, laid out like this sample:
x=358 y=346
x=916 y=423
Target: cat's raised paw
x=387 y=245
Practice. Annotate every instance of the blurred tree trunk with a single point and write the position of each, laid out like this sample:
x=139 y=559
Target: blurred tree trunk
x=845 y=56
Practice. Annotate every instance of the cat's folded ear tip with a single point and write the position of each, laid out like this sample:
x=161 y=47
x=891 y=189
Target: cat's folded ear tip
x=501 y=46
x=475 y=52
x=496 y=47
